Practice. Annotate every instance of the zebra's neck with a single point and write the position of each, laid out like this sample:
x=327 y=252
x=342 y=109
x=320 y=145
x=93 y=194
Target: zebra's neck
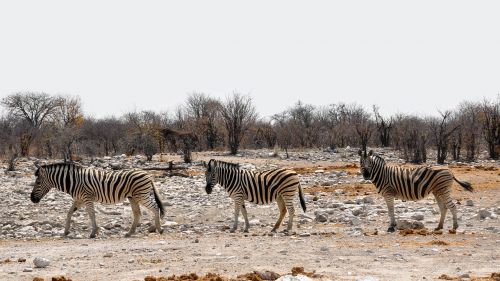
x=65 y=178
x=379 y=173
x=228 y=178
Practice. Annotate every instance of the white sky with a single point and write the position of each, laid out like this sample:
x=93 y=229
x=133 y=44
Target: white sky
x=119 y=56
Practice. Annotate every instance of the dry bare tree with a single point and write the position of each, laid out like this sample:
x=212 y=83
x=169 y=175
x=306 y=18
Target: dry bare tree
x=238 y=114
x=303 y=115
x=70 y=116
x=441 y=131
x=187 y=141
x=35 y=108
x=204 y=110
x=410 y=135
x=361 y=120
x=384 y=127
x=468 y=114
x=284 y=131
x=490 y=117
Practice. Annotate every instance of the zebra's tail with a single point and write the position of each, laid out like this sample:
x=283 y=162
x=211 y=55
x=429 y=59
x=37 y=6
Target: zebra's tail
x=301 y=197
x=464 y=184
x=158 y=202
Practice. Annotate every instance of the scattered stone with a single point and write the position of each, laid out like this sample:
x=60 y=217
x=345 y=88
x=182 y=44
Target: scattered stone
x=40 y=262
x=483 y=214
x=368 y=200
x=108 y=255
x=321 y=217
x=28 y=269
x=404 y=224
x=418 y=216
x=469 y=203
x=305 y=234
x=357 y=212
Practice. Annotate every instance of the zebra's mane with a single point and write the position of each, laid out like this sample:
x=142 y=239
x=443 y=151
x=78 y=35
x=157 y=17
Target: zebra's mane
x=61 y=164
x=378 y=157
x=227 y=164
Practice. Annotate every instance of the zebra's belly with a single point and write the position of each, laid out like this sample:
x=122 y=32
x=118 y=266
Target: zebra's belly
x=260 y=201
x=410 y=197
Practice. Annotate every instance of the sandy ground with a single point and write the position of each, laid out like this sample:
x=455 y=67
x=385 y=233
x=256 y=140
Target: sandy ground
x=329 y=249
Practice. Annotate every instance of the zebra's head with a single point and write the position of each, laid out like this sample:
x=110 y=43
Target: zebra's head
x=210 y=175
x=42 y=185
x=365 y=163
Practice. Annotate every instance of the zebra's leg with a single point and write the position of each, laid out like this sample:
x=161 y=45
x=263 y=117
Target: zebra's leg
x=150 y=203
x=442 y=210
x=453 y=208
x=136 y=212
x=389 y=200
x=157 y=223
x=245 y=216
x=282 y=207
x=237 y=205
x=89 y=206
x=291 y=212
x=72 y=209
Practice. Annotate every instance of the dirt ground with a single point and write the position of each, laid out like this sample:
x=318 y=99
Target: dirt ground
x=328 y=249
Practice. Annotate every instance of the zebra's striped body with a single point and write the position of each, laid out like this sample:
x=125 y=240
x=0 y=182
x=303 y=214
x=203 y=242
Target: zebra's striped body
x=89 y=185
x=411 y=184
x=256 y=187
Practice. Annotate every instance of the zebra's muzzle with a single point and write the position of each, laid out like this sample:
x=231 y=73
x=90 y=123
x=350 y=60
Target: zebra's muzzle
x=34 y=199
x=208 y=189
x=366 y=175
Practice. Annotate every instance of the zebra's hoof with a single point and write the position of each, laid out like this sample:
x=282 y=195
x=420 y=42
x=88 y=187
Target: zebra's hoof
x=92 y=236
x=232 y=230
x=152 y=229
x=391 y=229
x=246 y=230
x=160 y=231
x=128 y=234
x=66 y=232
x=438 y=228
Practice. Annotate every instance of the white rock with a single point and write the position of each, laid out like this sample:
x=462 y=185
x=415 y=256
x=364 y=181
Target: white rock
x=40 y=262
x=169 y=223
x=367 y=278
x=294 y=278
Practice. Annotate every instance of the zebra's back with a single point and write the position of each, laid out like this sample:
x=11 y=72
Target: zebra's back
x=416 y=184
x=264 y=187
x=115 y=186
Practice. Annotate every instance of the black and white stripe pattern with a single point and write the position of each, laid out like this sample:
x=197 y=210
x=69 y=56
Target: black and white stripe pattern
x=89 y=185
x=411 y=184
x=256 y=187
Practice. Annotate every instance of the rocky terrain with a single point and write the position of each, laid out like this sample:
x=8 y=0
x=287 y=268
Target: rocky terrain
x=341 y=236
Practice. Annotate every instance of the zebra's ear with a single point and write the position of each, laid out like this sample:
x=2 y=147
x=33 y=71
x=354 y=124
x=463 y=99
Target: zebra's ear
x=370 y=153
x=211 y=164
x=204 y=163
x=37 y=165
x=360 y=152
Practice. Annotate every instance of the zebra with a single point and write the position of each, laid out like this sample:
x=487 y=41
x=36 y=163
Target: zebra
x=256 y=187
x=89 y=185
x=410 y=184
